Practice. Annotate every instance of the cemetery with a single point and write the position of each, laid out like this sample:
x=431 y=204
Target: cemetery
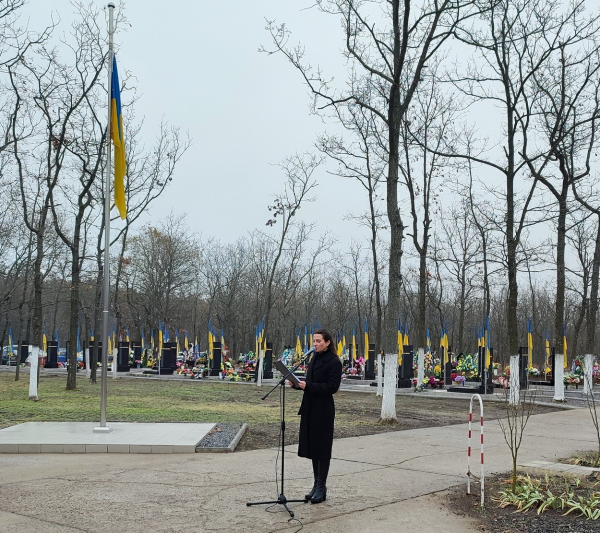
x=324 y=265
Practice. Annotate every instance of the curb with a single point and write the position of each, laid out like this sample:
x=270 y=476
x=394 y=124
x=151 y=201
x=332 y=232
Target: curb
x=232 y=446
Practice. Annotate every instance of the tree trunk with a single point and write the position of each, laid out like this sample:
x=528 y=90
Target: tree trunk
x=461 y=316
x=73 y=316
x=559 y=318
x=593 y=304
x=38 y=316
x=378 y=339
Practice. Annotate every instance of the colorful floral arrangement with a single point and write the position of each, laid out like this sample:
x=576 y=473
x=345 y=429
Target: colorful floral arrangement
x=460 y=379
x=467 y=365
x=571 y=378
x=416 y=387
x=533 y=371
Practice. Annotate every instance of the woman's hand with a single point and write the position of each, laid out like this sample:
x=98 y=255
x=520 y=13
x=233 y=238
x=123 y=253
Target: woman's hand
x=302 y=384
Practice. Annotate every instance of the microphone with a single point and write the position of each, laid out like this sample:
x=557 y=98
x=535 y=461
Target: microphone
x=312 y=350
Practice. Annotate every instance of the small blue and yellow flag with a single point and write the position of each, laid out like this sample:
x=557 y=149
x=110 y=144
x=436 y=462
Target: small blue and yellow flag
x=118 y=138
x=529 y=345
x=366 y=340
x=400 y=341
x=564 y=345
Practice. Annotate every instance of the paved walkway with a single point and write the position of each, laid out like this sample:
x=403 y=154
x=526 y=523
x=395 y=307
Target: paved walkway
x=386 y=482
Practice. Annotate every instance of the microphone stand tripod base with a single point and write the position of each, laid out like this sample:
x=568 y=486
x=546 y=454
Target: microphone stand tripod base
x=282 y=500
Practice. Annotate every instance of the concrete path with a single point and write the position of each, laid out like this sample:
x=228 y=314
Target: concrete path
x=388 y=482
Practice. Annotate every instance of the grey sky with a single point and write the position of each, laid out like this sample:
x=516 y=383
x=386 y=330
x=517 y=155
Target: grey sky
x=198 y=67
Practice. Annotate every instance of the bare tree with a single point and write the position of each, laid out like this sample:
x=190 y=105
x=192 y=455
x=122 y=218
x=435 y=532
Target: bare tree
x=386 y=50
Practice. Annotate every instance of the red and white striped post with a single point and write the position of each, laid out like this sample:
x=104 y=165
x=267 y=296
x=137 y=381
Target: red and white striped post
x=481 y=473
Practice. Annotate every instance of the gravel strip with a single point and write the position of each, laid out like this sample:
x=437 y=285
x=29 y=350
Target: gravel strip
x=220 y=437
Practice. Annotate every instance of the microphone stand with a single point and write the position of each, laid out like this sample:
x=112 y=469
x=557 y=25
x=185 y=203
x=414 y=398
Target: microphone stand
x=282 y=500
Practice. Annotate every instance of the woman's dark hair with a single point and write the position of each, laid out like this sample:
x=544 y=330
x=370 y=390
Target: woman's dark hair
x=326 y=337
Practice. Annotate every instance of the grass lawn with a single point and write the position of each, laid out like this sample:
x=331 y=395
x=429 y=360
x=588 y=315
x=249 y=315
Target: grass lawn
x=151 y=400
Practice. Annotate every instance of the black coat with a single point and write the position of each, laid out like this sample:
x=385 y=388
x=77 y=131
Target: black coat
x=317 y=410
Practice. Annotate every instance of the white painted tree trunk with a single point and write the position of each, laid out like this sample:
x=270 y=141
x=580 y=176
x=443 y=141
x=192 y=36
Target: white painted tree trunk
x=588 y=369
x=86 y=355
x=559 y=378
x=379 y=376
x=388 y=404
x=33 y=373
x=114 y=364
x=261 y=355
x=514 y=380
x=421 y=367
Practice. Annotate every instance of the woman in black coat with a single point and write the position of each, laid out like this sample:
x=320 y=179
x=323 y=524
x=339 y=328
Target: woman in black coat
x=317 y=411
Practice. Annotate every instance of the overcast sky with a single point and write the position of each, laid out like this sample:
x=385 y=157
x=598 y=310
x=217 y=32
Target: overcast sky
x=198 y=67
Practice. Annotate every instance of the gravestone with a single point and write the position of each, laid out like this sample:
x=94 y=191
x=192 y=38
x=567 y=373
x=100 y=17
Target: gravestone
x=268 y=364
x=137 y=352
x=405 y=373
x=52 y=355
x=215 y=363
x=169 y=358
x=123 y=357
x=523 y=367
x=24 y=352
x=370 y=363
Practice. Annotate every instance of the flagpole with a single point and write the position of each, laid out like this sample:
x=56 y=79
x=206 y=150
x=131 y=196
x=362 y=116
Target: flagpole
x=106 y=287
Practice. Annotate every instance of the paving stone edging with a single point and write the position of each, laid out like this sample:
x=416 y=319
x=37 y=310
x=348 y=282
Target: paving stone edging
x=232 y=445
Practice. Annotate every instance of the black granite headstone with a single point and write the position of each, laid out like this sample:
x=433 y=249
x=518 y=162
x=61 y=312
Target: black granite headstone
x=123 y=357
x=52 y=355
x=268 y=370
x=215 y=364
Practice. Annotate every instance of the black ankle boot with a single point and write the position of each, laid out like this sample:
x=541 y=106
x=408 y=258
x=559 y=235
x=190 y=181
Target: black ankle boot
x=312 y=491
x=320 y=494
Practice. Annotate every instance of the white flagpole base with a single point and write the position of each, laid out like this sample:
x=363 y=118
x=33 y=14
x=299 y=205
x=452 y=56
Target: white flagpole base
x=102 y=429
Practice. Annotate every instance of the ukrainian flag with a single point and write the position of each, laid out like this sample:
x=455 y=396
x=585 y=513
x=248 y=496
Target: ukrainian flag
x=10 y=343
x=298 y=344
x=565 y=345
x=400 y=341
x=529 y=345
x=118 y=139
x=488 y=357
x=547 y=350
x=366 y=340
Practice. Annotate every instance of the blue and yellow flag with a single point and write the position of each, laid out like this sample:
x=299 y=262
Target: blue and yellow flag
x=298 y=344
x=564 y=346
x=547 y=350
x=118 y=138
x=10 y=343
x=366 y=340
x=488 y=356
x=354 y=343
x=45 y=340
x=529 y=345
x=400 y=341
